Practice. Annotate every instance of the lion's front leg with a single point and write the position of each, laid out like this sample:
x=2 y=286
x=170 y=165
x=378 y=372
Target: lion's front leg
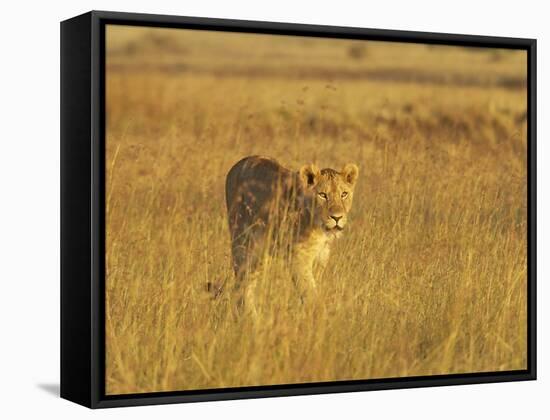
x=302 y=271
x=322 y=259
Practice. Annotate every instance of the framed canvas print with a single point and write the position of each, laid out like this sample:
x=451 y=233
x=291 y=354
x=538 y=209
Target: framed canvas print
x=253 y=209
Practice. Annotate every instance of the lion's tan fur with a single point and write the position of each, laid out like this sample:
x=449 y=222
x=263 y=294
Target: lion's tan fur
x=309 y=206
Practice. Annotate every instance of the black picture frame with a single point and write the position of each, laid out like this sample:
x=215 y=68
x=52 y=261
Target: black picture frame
x=83 y=204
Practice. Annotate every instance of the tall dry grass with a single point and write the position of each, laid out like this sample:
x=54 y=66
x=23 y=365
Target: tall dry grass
x=430 y=276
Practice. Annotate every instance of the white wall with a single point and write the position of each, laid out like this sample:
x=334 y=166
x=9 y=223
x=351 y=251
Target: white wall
x=29 y=231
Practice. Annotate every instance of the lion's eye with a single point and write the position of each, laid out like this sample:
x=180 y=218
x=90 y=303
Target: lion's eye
x=344 y=194
x=323 y=195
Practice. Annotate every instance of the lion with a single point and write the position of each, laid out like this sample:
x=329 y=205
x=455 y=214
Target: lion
x=309 y=207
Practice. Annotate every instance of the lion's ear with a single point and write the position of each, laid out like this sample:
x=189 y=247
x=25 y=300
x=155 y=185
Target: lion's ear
x=309 y=175
x=350 y=173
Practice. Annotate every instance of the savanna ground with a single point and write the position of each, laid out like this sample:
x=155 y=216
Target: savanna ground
x=430 y=276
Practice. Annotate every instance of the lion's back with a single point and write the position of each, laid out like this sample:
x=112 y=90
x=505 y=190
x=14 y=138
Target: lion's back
x=252 y=187
x=252 y=184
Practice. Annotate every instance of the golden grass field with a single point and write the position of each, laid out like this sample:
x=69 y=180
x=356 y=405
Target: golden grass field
x=430 y=275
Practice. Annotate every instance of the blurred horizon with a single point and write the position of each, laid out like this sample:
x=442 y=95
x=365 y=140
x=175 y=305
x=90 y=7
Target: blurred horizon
x=135 y=49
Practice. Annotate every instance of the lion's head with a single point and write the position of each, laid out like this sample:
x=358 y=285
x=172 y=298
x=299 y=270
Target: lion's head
x=328 y=195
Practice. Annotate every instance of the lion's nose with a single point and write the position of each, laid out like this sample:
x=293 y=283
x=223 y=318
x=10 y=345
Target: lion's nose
x=336 y=218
